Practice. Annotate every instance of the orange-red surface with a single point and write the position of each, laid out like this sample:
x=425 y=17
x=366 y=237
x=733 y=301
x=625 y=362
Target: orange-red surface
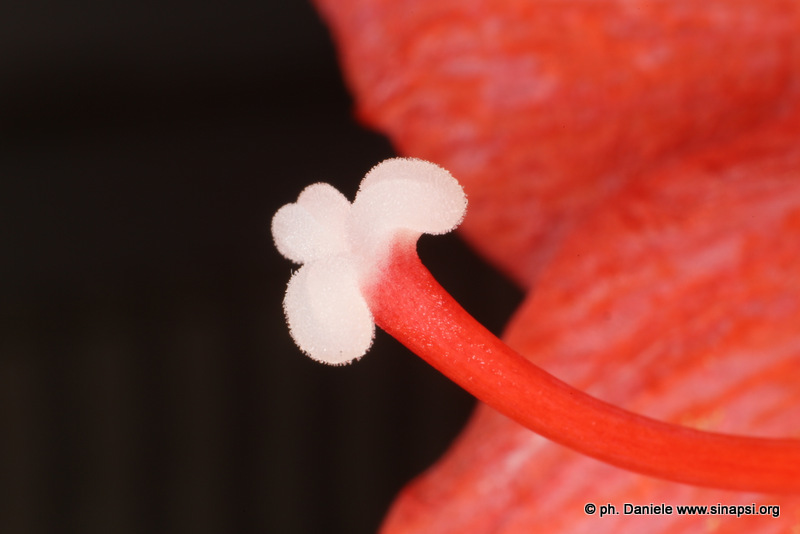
x=636 y=166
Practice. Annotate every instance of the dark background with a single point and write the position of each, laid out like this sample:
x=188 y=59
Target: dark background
x=147 y=380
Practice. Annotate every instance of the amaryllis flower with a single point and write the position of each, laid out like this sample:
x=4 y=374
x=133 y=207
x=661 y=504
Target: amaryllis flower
x=635 y=166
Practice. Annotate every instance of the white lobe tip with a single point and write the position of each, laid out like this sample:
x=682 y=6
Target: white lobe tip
x=312 y=227
x=328 y=318
x=406 y=194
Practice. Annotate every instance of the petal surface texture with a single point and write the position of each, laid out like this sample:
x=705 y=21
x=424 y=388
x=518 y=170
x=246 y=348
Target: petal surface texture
x=681 y=301
x=542 y=109
x=635 y=165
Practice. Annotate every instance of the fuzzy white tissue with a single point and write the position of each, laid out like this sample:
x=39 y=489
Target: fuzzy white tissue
x=404 y=194
x=339 y=244
x=314 y=226
x=328 y=318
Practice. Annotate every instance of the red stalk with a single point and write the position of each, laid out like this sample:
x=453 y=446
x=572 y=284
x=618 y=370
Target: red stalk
x=408 y=303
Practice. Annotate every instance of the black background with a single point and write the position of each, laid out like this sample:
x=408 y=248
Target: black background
x=147 y=380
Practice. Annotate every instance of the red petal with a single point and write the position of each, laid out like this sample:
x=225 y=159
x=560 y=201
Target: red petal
x=606 y=150
x=679 y=299
x=542 y=108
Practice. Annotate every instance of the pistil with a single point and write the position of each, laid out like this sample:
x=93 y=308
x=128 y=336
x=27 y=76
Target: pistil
x=409 y=304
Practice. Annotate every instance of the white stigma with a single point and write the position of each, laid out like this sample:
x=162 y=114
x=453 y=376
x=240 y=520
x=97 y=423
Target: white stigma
x=340 y=245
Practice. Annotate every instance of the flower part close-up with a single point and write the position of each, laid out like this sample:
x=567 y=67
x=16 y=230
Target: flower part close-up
x=634 y=166
x=343 y=248
x=372 y=269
